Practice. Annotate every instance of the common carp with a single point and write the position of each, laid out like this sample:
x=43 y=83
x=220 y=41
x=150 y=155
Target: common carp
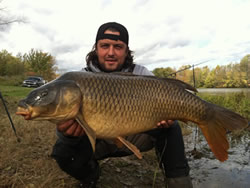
x=115 y=105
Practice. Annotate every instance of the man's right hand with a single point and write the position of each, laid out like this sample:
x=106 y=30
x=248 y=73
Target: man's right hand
x=70 y=128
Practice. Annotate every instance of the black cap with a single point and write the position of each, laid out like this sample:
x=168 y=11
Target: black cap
x=123 y=32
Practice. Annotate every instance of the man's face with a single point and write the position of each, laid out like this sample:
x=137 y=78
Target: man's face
x=111 y=53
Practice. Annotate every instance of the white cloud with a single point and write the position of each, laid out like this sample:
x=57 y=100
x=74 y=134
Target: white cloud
x=162 y=32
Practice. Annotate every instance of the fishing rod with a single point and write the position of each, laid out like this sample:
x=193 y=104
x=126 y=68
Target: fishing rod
x=188 y=67
x=11 y=122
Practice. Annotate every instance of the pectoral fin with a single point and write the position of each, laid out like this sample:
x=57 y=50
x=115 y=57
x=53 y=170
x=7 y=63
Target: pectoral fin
x=90 y=133
x=130 y=146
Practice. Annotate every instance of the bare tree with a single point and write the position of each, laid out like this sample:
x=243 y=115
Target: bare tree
x=6 y=19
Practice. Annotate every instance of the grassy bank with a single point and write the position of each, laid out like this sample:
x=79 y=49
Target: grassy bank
x=237 y=102
x=16 y=92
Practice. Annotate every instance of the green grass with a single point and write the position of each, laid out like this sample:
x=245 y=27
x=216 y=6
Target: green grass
x=14 y=91
x=237 y=102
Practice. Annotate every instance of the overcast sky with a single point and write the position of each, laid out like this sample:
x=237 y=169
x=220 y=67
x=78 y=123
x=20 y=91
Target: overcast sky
x=163 y=33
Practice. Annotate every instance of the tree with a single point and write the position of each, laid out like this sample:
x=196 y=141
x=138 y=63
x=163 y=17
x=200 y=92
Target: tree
x=186 y=74
x=43 y=64
x=163 y=72
x=10 y=65
x=245 y=69
x=6 y=19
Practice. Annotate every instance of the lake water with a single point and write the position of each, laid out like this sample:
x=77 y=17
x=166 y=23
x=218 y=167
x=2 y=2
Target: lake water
x=223 y=90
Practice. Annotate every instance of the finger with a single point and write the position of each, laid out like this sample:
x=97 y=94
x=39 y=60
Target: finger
x=78 y=130
x=70 y=131
x=163 y=122
x=64 y=126
x=82 y=133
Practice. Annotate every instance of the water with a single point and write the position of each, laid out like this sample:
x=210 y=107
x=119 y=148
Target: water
x=208 y=172
x=218 y=91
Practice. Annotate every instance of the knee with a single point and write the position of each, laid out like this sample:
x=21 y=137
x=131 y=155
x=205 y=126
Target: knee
x=72 y=158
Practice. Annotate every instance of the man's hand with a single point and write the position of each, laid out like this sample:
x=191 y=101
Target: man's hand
x=165 y=124
x=70 y=128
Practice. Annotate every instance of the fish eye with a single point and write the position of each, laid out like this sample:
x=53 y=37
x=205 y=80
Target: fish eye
x=43 y=94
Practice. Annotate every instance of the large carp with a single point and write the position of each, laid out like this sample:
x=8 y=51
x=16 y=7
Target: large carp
x=116 y=105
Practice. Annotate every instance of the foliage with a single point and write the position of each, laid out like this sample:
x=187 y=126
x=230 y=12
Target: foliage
x=163 y=72
x=10 y=65
x=13 y=70
x=229 y=76
x=12 y=80
x=43 y=64
x=237 y=102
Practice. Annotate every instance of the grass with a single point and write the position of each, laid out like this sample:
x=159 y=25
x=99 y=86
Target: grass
x=237 y=102
x=14 y=91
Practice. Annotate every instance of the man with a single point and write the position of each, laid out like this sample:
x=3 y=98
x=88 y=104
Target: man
x=72 y=150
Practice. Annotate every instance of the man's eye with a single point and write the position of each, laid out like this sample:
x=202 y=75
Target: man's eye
x=119 y=47
x=104 y=46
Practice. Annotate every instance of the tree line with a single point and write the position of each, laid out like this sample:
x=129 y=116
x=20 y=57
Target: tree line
x=38 y=63
x=233 y=75
x=33 y=63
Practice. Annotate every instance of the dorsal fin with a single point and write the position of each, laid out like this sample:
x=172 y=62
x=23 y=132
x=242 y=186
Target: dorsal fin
x=169 y=80
x=180 y=84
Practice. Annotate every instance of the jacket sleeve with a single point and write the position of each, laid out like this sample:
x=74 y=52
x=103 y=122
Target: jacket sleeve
x=141 y=70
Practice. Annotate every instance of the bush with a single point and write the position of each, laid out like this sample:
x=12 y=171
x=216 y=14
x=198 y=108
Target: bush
x=237 y=102
x=12 y=80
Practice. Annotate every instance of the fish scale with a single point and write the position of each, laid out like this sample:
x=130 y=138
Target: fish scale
x=114 y=105
x=117 y=106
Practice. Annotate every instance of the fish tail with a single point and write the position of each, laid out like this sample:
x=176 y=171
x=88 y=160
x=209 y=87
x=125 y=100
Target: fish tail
x=215 y=127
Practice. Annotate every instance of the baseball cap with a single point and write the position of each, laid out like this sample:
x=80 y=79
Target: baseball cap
x=119 y=27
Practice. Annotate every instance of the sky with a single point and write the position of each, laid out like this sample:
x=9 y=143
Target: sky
x=162 y=33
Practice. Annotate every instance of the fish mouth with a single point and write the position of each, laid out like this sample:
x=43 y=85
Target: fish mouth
x=24 y=112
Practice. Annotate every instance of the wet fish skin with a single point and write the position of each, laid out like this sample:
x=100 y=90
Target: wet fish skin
x=114 y=105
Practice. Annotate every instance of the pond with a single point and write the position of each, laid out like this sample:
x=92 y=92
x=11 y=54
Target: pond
x=223 y=91
x=208 y=172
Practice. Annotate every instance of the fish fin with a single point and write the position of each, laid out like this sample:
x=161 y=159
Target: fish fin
x=130 y=146
x=180 y=84
x=90 y=133
x=216 y=139
x=219 y=120
x=118 y=143
x=169 y=80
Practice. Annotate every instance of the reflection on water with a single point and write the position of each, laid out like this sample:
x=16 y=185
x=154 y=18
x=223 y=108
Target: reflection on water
x=223 y=90
x=208 y=172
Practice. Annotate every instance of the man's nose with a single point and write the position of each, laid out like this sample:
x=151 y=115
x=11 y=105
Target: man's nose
x=111 y=50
